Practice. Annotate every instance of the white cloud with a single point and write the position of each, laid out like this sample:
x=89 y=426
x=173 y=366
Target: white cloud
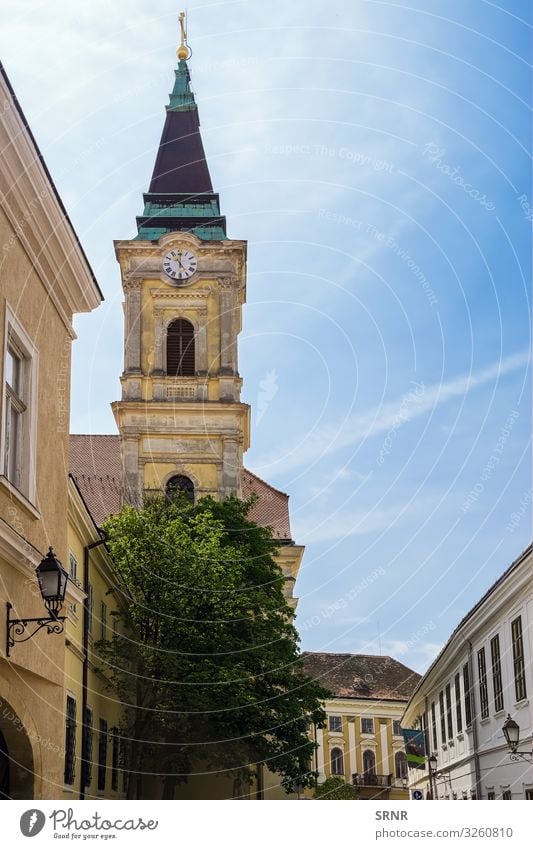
x=331 y=438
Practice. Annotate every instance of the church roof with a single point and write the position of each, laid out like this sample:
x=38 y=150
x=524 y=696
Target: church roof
x=361 y=676
x=181 y=193
x=95 y=466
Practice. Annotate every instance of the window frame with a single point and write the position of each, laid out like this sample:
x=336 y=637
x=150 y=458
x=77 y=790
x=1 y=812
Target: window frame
x=483 y=683
x=442 y=717
x=458 y=710
x=88 y=740
x=434 y=726
x=519 y=661
x=496 y=668
x=69 y=772
x=102 y=753
x=336 y=760
x=370 y=721
x=372 y=770
x=334 y=725
x=17 y=339
x=397 y=723
x=183 y=351
x=467 y=686
x=400 y=757
x=449 y=716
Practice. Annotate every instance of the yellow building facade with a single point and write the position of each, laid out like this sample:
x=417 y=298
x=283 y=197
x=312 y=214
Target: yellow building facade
x=44 y=280
x=93 y=765
x=361 y=741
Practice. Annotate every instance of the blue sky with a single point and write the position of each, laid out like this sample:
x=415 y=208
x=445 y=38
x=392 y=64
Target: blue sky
x=376 y=156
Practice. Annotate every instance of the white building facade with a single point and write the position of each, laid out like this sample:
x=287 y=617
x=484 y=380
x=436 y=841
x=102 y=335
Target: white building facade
x=482 y=674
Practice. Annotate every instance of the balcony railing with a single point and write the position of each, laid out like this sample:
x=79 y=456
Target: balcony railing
x=371 y=779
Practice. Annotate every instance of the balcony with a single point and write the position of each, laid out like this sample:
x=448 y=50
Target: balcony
x=371 y=779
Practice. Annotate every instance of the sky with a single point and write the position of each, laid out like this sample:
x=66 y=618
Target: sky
x=376 y=156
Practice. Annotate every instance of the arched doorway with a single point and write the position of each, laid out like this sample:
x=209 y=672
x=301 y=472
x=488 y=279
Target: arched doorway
x=16 y=756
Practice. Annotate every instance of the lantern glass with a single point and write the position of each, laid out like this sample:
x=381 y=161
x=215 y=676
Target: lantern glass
x=52 y=582
x=433 y=763
x=511 y=731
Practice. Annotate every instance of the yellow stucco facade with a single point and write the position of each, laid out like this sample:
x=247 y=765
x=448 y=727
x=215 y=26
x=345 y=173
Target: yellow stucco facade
x=45 y=279
x=97 y=764
x=356 y=727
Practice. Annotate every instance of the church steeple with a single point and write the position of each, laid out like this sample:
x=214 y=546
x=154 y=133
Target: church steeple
x=181 y=197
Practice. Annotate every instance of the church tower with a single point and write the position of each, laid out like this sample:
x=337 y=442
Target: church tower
x=181 y=421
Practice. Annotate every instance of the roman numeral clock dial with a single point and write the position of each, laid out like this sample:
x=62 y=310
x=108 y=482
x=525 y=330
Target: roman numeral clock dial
x=180 y=265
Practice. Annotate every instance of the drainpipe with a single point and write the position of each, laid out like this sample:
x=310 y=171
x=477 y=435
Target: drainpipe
x=85 y=672
x=477 y=767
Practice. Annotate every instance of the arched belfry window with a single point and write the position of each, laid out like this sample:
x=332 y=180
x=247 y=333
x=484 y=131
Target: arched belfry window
x=180 y=348
x=180 y=483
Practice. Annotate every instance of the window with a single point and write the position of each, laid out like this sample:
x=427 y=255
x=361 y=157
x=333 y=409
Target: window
x=491 y=795
x=180 y=348
x=335 y=723
x=442 y=718
x=369 y=762
x=73 y=567
x=496 y=672
x=529 y=793
x=337 y=762
x=70 y=740
x=434 y=727
x=467 y=694
x=115 y=741
x=367 y=725
x=507 y=795
x=180 y=483
x=449 y=711
x=458 y=712
x=102 y=754
x=483 y=691
x=103 y=620
x=518 y=659
x=19 y=407
x=87 y=765
x=400 y=765
x=396 y=728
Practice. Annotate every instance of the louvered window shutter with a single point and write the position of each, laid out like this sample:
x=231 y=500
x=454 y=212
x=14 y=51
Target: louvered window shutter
x=180 y=348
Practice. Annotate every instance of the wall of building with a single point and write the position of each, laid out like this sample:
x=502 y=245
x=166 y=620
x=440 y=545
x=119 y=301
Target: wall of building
x=473 y=760
x=353 y=741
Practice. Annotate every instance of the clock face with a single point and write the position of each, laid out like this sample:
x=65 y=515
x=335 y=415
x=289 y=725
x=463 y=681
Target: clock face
x=180 y=264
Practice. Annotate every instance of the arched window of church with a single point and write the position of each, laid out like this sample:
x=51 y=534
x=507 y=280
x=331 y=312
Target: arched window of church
x=400 y=764
x=180 y=348
x=369 y=762
x=337 y=762
x=180 y=483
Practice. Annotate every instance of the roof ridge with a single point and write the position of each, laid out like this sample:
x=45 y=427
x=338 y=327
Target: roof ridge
x=262 y=480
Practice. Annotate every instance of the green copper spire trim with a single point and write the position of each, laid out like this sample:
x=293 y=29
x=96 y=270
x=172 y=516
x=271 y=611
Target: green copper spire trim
x=182 y=98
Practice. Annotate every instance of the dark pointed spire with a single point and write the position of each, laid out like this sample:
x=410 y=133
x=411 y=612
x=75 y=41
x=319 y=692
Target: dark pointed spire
x=181 y=194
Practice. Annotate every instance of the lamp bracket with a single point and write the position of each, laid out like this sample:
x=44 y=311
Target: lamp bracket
x=522 y=756
x=16 y=629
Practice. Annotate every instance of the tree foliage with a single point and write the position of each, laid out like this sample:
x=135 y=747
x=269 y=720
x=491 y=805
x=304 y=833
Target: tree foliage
x=336 y=788
x=205 y=660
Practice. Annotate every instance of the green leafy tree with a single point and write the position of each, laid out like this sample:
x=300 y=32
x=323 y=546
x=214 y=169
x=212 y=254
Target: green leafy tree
x=336 y=788
x=206 y=660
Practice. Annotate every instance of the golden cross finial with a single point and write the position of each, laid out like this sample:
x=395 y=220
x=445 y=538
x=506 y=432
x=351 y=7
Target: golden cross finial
x=183 y=51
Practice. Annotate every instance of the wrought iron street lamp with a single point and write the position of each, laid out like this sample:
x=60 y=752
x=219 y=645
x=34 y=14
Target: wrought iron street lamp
x=53 y=581
x=432 y=764
x=511 y=732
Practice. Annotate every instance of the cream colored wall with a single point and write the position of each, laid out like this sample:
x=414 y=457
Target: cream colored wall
x=34 y=676
x=353 y=742
x=100 y=698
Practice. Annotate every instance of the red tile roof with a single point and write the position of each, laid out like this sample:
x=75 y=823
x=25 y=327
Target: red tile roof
x=361 y=676
x=96 y=468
